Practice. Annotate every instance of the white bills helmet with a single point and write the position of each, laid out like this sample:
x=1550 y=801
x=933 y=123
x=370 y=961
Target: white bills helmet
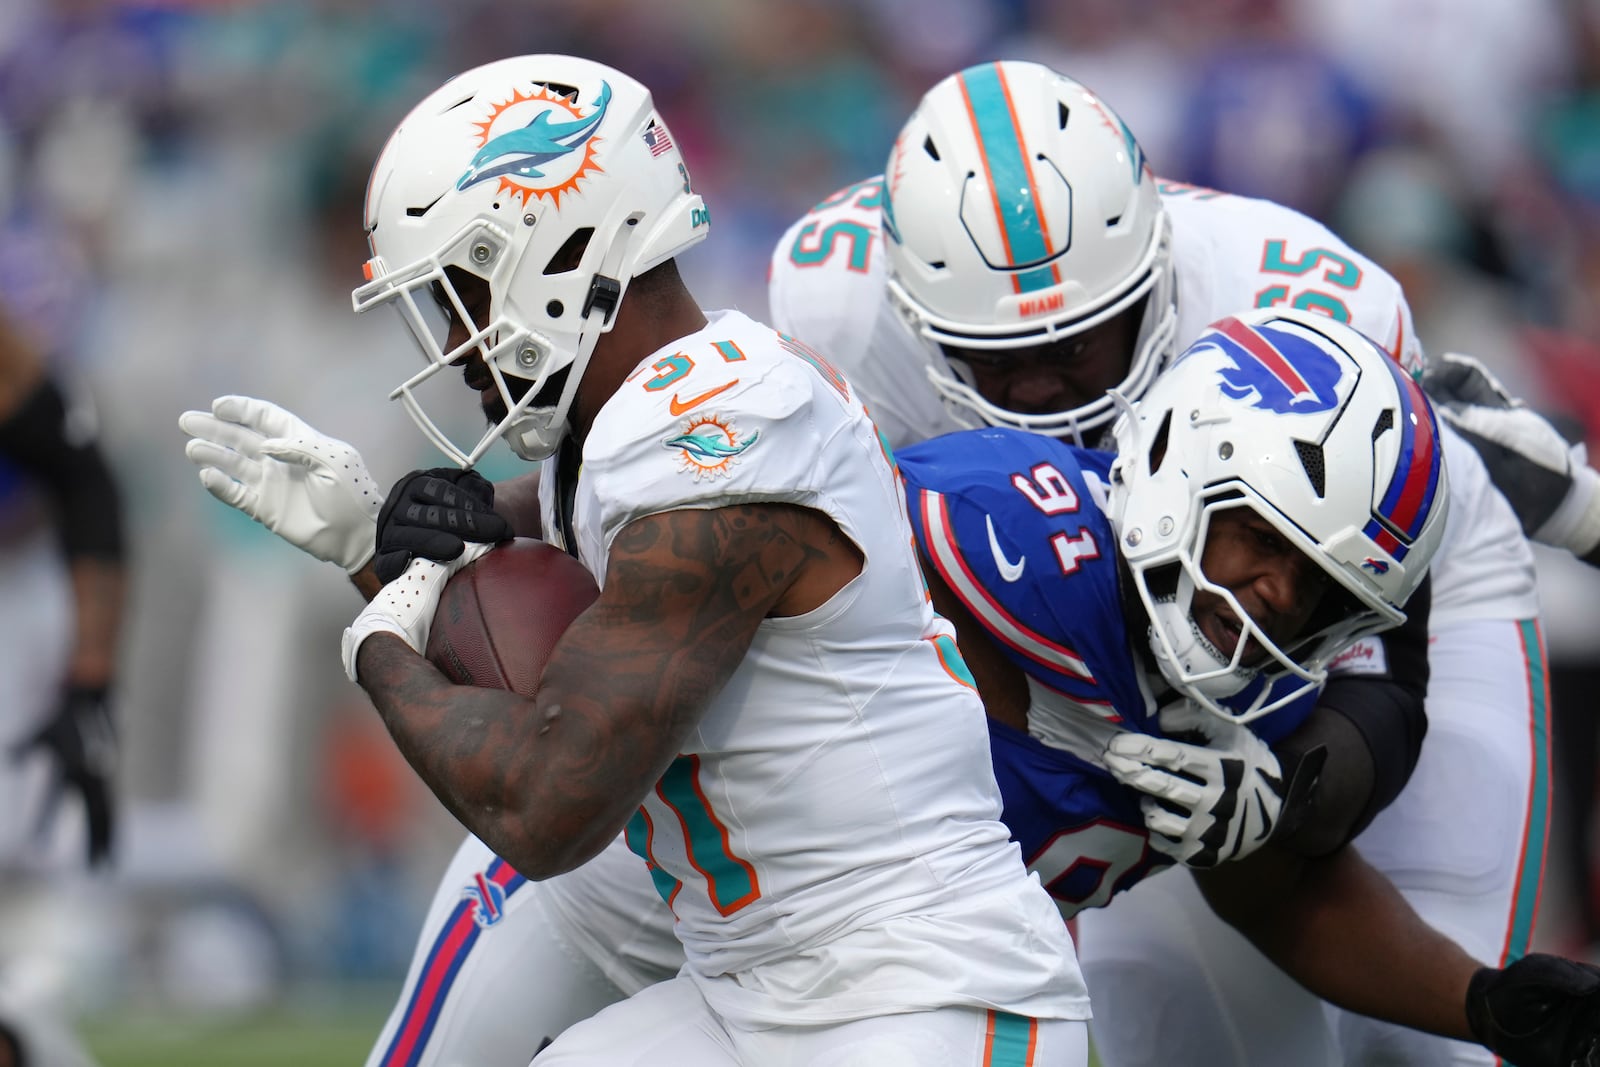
x=1020 y=211
x=508 y=172
x=1314 y=427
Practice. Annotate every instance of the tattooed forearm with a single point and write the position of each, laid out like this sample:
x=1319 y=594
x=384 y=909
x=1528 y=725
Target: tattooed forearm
x=547 y=783
x=477 y=749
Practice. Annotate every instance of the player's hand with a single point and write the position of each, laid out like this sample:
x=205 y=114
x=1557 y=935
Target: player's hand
x=1213 y=790
x=434 y=514
x=80 y=741
x=1549 y=482
x=1541 y=1011
x=310 y=489
x=405 y=606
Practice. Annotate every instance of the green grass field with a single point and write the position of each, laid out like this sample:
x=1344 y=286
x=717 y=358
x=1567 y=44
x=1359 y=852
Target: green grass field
x=296 y=1039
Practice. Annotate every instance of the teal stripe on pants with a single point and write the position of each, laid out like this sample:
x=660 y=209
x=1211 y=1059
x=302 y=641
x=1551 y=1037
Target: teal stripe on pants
x=1525 y=902
x=1013 y=1036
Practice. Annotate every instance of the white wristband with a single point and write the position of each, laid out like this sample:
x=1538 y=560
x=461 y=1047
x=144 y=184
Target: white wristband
x=1575 y=524
x=403 y=607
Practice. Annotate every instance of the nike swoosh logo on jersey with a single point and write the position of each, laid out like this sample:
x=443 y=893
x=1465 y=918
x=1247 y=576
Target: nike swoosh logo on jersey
x=1008 y=570
x=678 y=407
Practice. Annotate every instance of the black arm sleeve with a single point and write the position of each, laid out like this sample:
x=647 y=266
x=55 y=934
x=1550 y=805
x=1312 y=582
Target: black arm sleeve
x=44 y=440
x=1371 y=725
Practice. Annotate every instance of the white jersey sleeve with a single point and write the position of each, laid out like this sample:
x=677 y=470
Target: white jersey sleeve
x=726 y=416
x=1231 y=253
x=826 y=285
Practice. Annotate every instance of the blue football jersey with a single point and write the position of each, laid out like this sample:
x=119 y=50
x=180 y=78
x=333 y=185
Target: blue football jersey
x=1016 y=524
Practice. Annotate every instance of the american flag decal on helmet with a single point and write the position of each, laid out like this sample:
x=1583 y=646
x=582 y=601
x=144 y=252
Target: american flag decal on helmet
x=657 y=138
x=1406 y=504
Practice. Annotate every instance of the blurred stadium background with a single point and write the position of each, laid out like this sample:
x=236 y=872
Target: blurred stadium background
x=180 y=187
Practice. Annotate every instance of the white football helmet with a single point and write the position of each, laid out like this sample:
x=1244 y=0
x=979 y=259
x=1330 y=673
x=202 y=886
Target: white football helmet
x=1020 y=211
x=505 y=172
x=1312 y=425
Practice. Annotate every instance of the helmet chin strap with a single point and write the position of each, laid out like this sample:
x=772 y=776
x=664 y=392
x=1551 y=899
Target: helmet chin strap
x=536 y=433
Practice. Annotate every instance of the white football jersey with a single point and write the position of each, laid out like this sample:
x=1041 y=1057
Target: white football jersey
x=827 y=286
x=830 y=832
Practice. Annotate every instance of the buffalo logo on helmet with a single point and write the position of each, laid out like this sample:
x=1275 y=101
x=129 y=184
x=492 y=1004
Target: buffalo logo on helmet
x=1274 y=370
x=537 y=144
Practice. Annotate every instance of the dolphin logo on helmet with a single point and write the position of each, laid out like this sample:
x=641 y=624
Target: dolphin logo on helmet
x=534 y=145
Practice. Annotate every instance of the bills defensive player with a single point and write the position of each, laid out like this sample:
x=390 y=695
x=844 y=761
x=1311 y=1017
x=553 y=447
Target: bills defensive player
x=1017 y=259
x=1218 y=493
x=762 y=694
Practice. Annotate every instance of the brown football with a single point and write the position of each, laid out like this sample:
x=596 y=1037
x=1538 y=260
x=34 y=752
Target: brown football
x=500 y=616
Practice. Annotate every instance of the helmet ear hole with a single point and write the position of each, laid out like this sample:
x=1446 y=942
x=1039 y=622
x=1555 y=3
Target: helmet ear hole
x=1158 y=446
x=1311 y=459
x=570 y=254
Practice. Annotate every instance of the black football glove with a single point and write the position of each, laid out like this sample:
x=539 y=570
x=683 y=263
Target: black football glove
x=432 y=514
x=1541 y=1011
x=81 y=741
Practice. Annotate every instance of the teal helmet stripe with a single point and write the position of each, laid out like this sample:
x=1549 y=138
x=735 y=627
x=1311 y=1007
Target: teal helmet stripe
x=1032 y=280
x=1010 y=175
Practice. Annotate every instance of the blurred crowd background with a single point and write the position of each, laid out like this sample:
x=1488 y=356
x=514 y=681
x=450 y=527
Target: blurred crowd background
x=180 y=190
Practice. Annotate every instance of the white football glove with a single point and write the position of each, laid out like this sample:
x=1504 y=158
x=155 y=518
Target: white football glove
x=405 y=606
x=310 y=489
x=1548 y=481
x=1209 y=802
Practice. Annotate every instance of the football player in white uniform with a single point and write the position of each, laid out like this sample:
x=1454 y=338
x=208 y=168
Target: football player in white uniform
x=590 y=925
x=1016 y=260
x=762 y=694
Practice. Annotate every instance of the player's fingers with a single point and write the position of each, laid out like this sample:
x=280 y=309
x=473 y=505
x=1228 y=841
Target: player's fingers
x=1169 y=787
x=1120 y=764
x=233 y=493
x=263 y=416
x=210 y=454
x=206 y=427
x=1163 y=823
x=1138 y=775
x=1166 y=754
x=1130 y=745
x=1155 y=782
x=291 y=450
x=1172 y=849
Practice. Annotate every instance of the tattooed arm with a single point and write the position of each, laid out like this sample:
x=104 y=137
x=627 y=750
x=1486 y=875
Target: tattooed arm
x=546 y=783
